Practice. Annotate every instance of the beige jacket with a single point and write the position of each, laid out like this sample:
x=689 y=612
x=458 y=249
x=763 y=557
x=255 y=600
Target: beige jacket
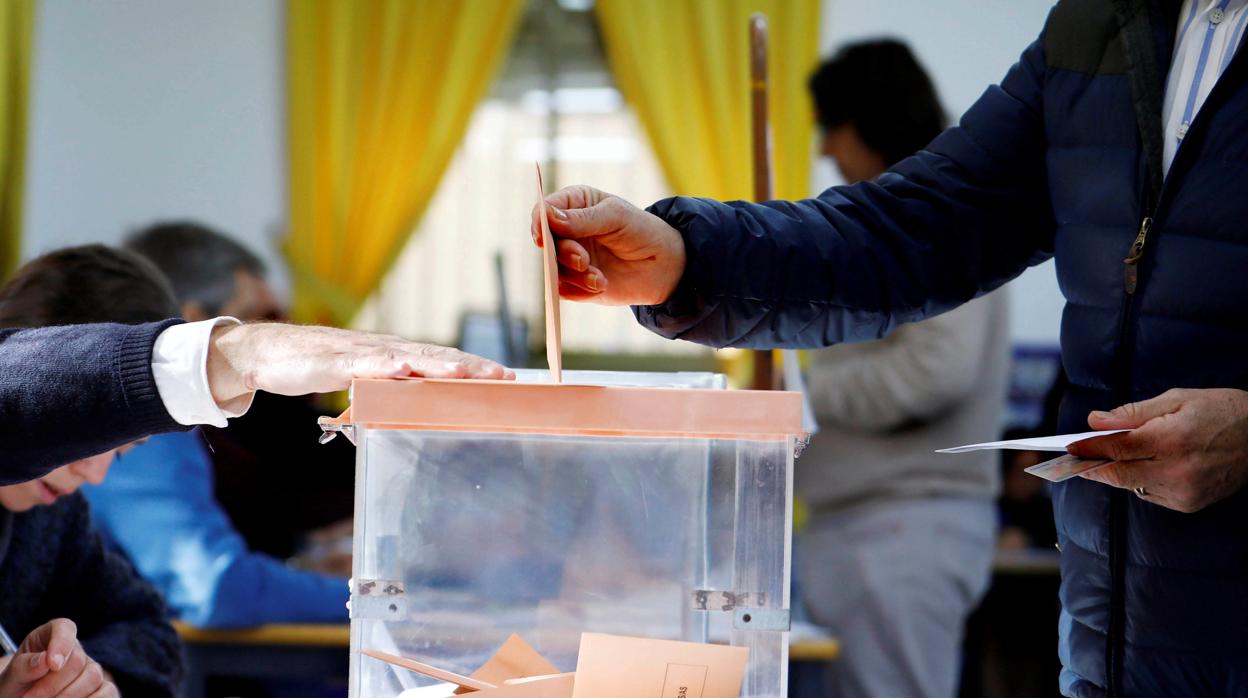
x=883 y=407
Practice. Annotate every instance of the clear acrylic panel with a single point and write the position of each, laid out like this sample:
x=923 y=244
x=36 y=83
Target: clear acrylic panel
x=462 y=539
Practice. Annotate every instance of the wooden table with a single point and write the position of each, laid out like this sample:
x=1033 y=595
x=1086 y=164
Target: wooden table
x=268 y=652
x=1029 y=562
x=320 y=652
x=814 y=650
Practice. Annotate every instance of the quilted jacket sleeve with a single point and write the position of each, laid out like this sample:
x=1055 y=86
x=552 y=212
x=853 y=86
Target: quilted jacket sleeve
x=950 y=223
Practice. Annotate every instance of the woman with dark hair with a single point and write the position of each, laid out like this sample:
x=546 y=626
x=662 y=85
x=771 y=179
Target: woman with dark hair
x=56 y=574
x=875 y=105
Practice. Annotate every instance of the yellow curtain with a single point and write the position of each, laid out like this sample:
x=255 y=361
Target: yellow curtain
x=16 y=42
x=684 y=66
x=379 y=95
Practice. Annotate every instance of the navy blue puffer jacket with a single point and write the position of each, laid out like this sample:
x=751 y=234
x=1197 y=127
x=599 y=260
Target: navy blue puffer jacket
x=1062 y=159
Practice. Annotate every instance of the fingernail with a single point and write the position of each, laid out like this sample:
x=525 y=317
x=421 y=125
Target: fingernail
x=559 y=213
x=581 y=263
x=595 y=282
x=1101 y=415
x=58 y=661
x=35 y=659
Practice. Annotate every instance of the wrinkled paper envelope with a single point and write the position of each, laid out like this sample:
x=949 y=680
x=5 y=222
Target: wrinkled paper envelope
x=515 y=671
x=429 y=670
x=611 y=666
x=516 y=659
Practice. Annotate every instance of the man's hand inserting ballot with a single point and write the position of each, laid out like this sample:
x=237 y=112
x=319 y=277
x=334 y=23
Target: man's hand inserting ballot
x=297 y=360
x=610 y=251
x=1187 y=450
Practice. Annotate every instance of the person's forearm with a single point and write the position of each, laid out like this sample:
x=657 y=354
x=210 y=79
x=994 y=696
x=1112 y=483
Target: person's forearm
x=71 y=392
x=952 y=222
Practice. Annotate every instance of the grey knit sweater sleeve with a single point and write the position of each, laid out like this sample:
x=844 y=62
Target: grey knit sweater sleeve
x=884 y=407
x=911 y=375
x=71 y=392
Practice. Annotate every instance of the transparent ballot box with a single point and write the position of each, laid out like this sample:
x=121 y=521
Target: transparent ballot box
x=648 y=505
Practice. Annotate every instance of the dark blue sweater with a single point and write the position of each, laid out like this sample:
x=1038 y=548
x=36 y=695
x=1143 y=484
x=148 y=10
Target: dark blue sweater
x=71 y=392
x=54 y=564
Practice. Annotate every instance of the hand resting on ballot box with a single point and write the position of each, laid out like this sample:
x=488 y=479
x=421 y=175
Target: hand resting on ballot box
x=1186 y=451
x=296 y=359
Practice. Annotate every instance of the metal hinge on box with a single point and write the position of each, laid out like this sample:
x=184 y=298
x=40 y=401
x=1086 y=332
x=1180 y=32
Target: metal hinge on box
x=747 y=609
x=379 y=599
x=329 y=430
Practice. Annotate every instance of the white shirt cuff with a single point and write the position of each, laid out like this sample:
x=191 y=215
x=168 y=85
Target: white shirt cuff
x=180 y=368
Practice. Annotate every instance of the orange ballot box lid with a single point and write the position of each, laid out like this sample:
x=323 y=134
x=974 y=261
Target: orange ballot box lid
x=569 y=408
x=602 y=404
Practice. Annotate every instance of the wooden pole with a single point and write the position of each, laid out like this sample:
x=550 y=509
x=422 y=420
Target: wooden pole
x=760 y=136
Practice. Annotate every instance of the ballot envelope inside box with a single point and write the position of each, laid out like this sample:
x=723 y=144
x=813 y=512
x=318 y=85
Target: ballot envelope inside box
x=644 y=505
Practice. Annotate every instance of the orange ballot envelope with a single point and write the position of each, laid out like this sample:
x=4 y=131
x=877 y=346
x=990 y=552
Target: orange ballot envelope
x=611 y=666
x=550 y=273
x=553 y=686
x=429 y=670
x=515 y=671
x=516 y=659
x=608 y=666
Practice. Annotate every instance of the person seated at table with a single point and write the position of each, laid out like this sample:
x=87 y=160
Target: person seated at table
x=161 y=509
x=281 y=488
x=59 y=578
x=162 y=512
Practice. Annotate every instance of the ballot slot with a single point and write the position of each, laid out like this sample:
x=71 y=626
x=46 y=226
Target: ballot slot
x=550 y=278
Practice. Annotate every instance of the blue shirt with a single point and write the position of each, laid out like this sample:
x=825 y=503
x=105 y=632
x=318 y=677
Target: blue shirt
x=1209 y=32
x=157 y=505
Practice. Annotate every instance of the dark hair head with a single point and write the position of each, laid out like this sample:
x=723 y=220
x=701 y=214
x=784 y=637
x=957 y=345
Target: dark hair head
x=881 y=90
x=80 y=285
x=200 y=261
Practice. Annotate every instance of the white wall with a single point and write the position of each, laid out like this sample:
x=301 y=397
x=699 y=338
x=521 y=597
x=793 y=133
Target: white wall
x=150 y=109
x=966 y=45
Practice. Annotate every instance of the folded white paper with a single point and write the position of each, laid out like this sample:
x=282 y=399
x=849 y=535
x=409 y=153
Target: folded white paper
x=1041 y=443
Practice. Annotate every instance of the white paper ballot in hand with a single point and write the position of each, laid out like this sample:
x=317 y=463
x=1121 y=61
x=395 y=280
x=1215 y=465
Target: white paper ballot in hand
x=1043 y=443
